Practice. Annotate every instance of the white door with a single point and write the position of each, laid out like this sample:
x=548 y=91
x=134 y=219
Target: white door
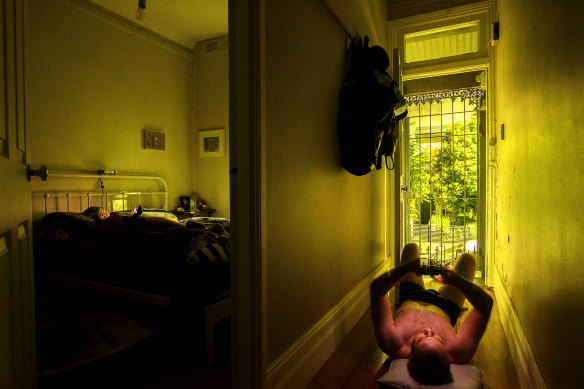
x=17 y=329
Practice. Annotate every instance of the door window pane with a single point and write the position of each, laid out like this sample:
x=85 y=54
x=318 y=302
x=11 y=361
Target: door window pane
x=442 y=42
x=443 y=172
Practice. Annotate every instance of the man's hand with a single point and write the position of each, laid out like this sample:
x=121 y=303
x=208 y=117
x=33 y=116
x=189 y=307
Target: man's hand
x=447 y=277
x=478 y=298
x=382 y=284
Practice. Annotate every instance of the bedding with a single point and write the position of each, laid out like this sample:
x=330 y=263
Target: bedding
x=151 y=252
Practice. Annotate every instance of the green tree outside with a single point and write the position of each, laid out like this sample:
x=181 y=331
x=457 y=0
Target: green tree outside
x=445 y=172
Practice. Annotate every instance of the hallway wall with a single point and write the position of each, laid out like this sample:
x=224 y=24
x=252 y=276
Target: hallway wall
x=211 y=78
x=540 y=191
x=325 y=227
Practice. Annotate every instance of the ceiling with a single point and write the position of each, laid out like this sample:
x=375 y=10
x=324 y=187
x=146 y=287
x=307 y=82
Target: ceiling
x=183 y=21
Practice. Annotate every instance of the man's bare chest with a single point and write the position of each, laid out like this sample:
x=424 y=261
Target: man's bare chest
x=411 y=318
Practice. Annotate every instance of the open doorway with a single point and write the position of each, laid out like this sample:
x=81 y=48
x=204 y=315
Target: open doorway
x=442 y=60
x=443 y=169
x=145 y=79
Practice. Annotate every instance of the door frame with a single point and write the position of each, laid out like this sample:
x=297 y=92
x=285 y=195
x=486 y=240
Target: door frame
x=487 y=12
x=247 y=175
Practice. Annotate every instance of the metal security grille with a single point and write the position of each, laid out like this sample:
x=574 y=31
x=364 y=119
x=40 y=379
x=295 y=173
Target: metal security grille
x=442 y=199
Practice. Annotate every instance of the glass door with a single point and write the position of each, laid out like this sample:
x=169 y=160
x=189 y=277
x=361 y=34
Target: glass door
x=442 y=201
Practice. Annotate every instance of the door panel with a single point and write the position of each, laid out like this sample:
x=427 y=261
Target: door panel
x=17 y=328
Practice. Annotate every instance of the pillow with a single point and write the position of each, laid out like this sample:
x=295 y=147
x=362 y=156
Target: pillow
x=159 y=213
x=398 y=377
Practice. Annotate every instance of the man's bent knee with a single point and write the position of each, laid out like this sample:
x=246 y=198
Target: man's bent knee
x=411 y=246
x=468 y=257
x=466 y=265
x=410 y=251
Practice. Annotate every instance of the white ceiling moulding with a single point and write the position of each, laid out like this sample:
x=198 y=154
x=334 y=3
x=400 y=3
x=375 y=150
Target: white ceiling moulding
x=399 y=9
x=128 y=25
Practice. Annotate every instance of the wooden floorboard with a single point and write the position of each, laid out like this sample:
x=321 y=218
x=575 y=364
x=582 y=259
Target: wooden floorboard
x=358 y=362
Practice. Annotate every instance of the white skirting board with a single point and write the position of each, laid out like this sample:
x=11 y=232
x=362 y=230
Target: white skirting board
x=527 y=371
x=296 y=367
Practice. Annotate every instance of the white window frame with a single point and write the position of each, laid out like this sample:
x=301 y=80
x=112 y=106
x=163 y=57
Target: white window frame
x=481 y=12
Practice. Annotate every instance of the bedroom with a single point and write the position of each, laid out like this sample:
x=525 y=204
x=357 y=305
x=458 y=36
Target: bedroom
x=300 y=175
x=94 y=83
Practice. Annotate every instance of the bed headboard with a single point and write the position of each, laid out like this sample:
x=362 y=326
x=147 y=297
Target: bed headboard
x=93 y=189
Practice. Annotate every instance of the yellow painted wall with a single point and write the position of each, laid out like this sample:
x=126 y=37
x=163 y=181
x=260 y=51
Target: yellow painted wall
x=540 y=190
x=325 y=227
x=93 y=86
x=211 y=76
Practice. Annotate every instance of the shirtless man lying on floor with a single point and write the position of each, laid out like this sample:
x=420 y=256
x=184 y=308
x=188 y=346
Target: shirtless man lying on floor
x=422 y=328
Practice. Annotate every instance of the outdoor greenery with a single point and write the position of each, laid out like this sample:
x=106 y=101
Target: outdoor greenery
x=443 y=171
x=441 y=222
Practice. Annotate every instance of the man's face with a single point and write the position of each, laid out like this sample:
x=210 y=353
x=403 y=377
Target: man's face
x=426 y=339
x=429 y=359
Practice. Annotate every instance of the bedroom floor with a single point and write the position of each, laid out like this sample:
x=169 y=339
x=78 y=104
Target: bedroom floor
x=358 y=362
x=150 y=364
x=170 y=355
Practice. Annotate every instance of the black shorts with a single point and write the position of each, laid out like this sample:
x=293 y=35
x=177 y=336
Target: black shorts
x=411 y=291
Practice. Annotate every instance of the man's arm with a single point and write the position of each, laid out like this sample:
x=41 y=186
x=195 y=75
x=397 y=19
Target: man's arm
x=475 y=324
x=387 y=335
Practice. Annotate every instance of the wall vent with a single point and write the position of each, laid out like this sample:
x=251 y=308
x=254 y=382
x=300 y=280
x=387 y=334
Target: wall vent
x=211 y=46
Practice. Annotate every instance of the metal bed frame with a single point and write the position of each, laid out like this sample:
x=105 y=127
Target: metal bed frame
x=77 y=201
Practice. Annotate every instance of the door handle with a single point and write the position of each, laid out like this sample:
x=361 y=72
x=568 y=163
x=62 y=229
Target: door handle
x=41 y=172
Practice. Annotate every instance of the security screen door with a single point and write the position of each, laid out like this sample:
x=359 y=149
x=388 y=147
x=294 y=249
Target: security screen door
x=442 y=172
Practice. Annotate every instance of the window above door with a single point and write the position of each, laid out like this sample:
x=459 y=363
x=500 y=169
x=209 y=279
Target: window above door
x=449 y=41
x=457 y=37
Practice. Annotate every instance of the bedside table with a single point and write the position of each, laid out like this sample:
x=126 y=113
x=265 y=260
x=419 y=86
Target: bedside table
x=204 y=212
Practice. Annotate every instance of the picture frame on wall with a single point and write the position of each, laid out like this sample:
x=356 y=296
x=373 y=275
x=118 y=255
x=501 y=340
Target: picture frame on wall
x=212 y=143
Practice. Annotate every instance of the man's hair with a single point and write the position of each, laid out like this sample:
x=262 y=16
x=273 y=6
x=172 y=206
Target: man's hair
x=430 y=368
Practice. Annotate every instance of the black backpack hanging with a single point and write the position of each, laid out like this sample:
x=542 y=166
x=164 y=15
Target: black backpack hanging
x=369 y=109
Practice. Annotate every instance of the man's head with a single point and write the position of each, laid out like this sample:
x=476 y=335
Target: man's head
x=96 y=213
x=429 y=363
